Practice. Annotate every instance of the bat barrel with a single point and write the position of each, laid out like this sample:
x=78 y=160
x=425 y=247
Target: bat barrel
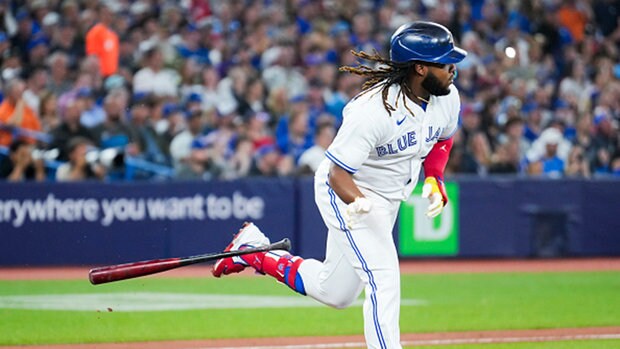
x=131 y=270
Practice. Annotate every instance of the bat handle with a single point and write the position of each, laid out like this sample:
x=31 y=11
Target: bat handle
x=284 y=244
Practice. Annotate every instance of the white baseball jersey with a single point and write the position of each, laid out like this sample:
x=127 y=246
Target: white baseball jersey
x=384 y=153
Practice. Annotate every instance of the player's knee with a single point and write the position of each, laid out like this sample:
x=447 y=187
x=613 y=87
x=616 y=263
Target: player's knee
x=340 y=302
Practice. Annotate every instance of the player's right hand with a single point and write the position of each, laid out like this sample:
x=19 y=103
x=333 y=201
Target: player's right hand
x=357 y=211
x=432 y=190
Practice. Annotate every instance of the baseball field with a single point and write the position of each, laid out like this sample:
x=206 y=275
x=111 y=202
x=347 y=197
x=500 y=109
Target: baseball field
x=550 y=304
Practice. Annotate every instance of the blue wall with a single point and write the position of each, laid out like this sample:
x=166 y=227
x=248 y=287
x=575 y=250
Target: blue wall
x=94 y=223
x=149 y=220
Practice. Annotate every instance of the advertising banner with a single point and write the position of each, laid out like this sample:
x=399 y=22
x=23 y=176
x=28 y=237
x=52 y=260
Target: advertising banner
x=77 y=223
x=419 y=235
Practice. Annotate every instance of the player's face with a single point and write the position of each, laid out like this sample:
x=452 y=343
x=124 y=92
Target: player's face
x=439 y=78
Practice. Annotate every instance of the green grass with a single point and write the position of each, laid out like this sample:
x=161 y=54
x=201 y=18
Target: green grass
x=457 y=302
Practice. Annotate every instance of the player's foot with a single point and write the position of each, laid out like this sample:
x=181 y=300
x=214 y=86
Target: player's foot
x=248 y=236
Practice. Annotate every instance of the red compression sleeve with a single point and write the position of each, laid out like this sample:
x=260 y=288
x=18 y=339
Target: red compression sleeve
x=436 y=160
x=435 y=164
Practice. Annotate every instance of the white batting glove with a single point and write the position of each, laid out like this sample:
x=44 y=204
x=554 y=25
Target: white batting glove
x=431 y=191
x=357 y=211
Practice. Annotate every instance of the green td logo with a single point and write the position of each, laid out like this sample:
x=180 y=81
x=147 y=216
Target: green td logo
x=423 y=236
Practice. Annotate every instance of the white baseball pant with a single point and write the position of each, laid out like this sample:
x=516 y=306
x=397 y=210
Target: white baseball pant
x=362 y=257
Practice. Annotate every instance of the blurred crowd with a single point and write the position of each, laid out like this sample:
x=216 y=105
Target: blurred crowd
x=230 y=89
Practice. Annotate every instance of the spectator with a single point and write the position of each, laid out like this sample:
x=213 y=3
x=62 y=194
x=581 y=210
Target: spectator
x=514 y=133
x=70 y=12
x=102 y=41
x=193 y=102
x=208 y=153
x=181 y=146
x=114 y=132
x=240 y=162
x=78 y=168
x=282 y=73
x=560 y=68
x=577 y=164
x=59 y=82
x=66 y=39
x=38 y=50
x=20 y=166
x=253 y=98
x=69 y=128
x=269 y=162
x=506 y=159
x=189 y=77
x=48 y=112
x=152 y=146
x=154 y=78
x=257 y=130
x=208 y=89
x=5 y=46
x=311 y=159
x=25 y=30
x=191 y=47
x=574 y=15
x=230 y=88
x=90 y=74
x=362 y=33
x=572 y=87
x=174 y=119
x=583 y=137
x=544 y=159
x=92 y=114
x=605 y=142
x=298 y=137
x=478 y=154
x=14 y=113
x=35 y=85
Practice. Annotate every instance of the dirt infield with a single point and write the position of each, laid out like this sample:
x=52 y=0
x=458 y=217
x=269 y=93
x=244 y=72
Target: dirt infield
x=407 y=267
x=409 y=339
x=428 y=339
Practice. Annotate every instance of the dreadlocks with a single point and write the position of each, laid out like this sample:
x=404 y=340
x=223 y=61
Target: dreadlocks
x=385 y=75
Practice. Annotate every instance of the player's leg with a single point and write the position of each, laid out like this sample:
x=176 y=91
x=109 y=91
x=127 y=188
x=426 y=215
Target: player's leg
x=376 y=261
x=378 y=267
x=279 y=263
x=369 y=249
x=334 y=281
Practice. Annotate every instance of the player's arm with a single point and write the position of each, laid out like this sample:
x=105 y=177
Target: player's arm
x=437 y=158
x=352 y=145
x=434 y=167
x=342 y=183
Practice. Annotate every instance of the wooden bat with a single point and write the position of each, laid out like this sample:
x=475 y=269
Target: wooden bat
x=118 y=272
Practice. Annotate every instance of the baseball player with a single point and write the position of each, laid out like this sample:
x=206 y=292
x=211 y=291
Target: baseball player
x=402 y=120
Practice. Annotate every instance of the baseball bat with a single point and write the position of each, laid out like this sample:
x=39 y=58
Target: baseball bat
x=118 y=272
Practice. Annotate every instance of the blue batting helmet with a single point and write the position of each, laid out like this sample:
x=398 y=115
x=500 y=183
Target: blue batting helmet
x=425 y=42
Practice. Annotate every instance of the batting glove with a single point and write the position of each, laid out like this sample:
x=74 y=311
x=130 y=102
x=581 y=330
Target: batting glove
x=434 y=191
x=357 y=211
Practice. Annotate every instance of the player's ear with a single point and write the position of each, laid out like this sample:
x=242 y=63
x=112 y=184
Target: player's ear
x=420 y=69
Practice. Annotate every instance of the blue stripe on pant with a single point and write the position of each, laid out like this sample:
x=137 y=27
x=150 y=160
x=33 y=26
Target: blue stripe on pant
x=371 y=281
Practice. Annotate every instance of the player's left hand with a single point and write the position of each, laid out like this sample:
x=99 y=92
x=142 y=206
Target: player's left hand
x=433 y=191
